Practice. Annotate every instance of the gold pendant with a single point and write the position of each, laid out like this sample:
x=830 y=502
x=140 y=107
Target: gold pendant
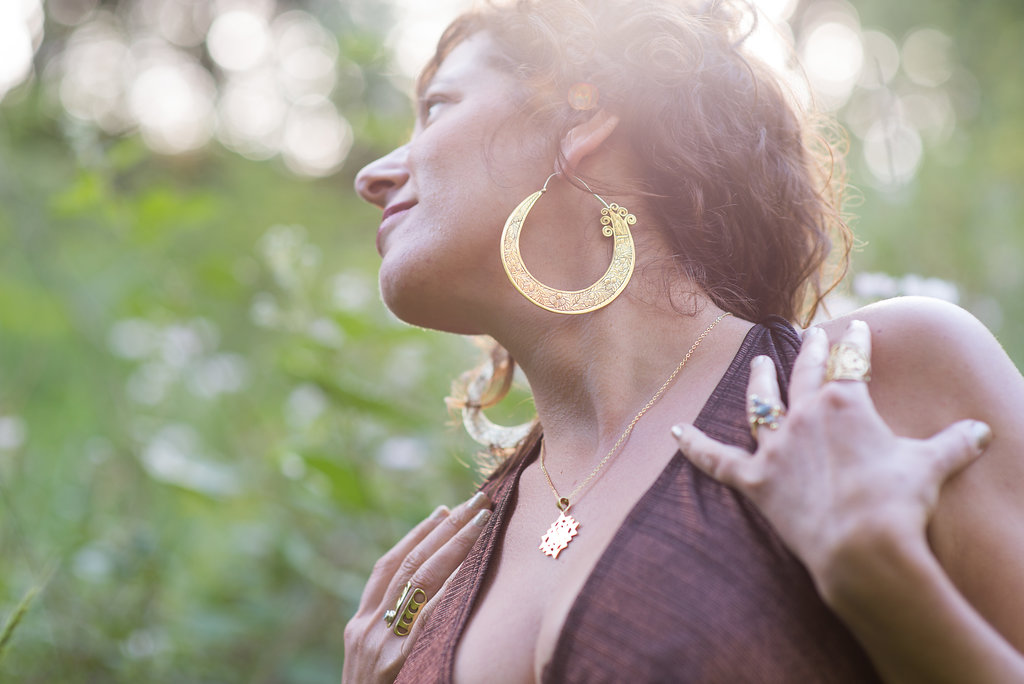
x=559 y=535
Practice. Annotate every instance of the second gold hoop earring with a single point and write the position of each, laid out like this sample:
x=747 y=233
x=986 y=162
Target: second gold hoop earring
x=615 y=220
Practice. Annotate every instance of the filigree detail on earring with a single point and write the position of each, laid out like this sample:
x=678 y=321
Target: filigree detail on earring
x=615 y=220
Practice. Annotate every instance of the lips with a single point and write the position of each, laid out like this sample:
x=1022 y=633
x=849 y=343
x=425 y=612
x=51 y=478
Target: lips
x=395 y=208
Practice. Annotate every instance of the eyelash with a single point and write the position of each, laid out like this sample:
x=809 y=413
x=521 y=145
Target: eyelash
x=427 y=103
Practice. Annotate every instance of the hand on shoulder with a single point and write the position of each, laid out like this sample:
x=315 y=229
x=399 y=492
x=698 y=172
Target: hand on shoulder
x=915 y=542
x=933 y=364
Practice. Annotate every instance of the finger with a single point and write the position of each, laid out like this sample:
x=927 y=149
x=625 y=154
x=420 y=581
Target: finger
x=809 y=367
x=858 y=334
x=426 y=612
x=849 y=364
x=722 y=462
x=959 y=445
x=434 y=540
x=763 y=380
x=385 y=568
x=763 y=395
x=433 y=574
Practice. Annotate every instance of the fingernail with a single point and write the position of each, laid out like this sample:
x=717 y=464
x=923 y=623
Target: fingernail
x=478 y=500
x=677 y=430
x=482 y=517
x=814 y=333
x=982 y=435
x=439 y=513
x=857 y=323
x=759 y=361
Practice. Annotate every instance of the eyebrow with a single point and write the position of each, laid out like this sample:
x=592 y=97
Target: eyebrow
x=436 y=82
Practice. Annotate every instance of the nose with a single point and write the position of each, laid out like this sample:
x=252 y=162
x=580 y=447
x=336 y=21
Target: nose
x=378 y=180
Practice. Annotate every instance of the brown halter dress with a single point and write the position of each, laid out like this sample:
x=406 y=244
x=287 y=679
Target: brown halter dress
x=694 y=587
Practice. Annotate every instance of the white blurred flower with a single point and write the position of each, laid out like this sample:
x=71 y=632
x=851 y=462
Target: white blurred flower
x=871 y=286
x=173 y=456
x=92 y=563
x=180 y=344
x=407 y=365
x=292 y=466
x=216 y=375
x=326 y=332
x=875 y=286
x=351 y=292
x=12 y=433
x=151 y=382
x=304 y=405
x=289 y=255
x=264 y=310
x=145 y=643
x=913 y=284
x=402 y=453
x=133 y=338
x=98 y=450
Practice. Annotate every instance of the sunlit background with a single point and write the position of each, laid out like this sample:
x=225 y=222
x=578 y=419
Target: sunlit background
x=259 y=77
x=210 y=427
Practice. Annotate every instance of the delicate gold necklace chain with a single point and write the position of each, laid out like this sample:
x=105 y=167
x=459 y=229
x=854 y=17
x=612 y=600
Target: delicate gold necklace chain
x=563 y=502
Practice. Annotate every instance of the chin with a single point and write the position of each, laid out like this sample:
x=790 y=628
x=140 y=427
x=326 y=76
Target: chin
x=419 y=306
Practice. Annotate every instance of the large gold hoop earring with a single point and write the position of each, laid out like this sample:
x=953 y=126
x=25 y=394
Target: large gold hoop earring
x=480 y=427
x=615 y=221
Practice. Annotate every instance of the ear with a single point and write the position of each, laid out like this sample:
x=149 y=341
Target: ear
x=586 y=138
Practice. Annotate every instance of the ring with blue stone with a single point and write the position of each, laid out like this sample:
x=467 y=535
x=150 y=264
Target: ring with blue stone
x=764 y=412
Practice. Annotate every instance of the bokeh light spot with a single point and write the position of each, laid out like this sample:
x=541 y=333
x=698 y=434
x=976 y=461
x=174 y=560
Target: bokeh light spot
x=173 y=103
x=927 y=57
x=316 y=138
x=892 y=151
x=833 y=55
x=21 y=28
x=238 y=40
x=881 y=59
x=251 y=114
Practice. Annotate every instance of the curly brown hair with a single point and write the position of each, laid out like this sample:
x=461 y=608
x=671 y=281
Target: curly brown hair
x=747 y=188
x=744 y=181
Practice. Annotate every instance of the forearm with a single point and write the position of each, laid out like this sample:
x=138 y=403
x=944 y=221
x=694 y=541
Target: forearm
x=912 y=620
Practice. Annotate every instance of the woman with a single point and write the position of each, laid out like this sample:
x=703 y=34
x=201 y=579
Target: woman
x=597 y=552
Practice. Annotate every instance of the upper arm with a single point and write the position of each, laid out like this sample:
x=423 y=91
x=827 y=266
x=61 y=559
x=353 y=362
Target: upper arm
x=933 y=364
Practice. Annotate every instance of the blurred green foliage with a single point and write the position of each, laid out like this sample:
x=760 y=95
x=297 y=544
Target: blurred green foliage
x=962 y=217
x=214 y=428
x=222 y=428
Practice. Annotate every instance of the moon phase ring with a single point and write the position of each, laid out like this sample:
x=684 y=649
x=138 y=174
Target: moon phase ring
x=407 y=609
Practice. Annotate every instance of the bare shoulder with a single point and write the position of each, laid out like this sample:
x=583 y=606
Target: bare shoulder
x=932 y=364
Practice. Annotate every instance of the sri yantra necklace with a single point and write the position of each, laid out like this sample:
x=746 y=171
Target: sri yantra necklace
x=566 y=527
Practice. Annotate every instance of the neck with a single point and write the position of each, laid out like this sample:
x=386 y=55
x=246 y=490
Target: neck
x=591 y=374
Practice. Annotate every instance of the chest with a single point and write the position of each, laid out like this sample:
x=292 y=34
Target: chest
x=693 y=588
x=528 y=596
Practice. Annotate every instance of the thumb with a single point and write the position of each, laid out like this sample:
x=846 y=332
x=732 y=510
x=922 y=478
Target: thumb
x=959 y=445
x=721 y=462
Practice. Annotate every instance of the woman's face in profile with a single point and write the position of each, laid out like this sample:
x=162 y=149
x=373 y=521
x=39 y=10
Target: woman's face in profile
x=447 y=192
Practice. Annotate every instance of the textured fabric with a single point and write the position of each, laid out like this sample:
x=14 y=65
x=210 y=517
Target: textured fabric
x=694 y=587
